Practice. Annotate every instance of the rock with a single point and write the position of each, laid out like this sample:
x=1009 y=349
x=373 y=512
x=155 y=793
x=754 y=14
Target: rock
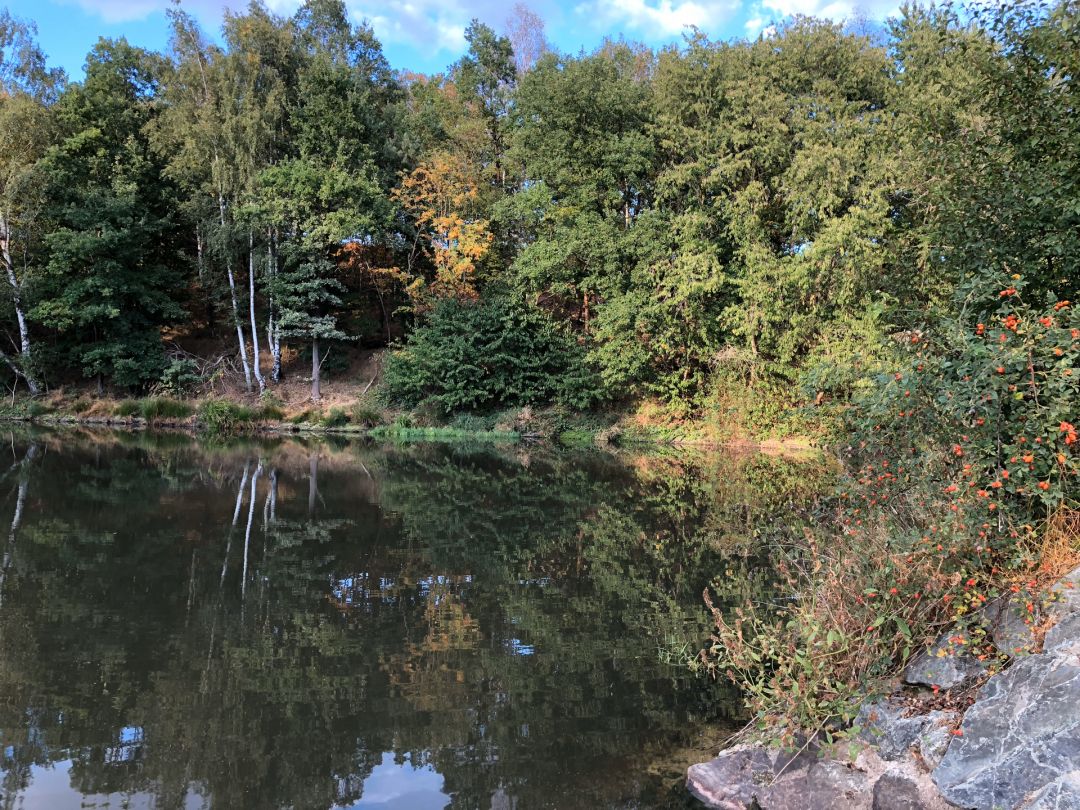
x=1020 y=735
x=745 y=775
x=883 y=725
x=1061 y=794
x=732 y=779
x=935 y=738
x=896 y=792
x=1064 y=637
x=946 y=664
x=1009 y=628
x=824 y=783
x=752 y=776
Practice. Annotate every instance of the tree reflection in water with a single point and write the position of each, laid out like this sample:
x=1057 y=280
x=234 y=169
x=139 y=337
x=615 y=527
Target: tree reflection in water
x=279 y=624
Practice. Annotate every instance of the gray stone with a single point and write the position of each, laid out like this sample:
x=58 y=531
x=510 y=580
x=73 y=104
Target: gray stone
x=1009 y=627
x=882 y=724
x=945 y=665
x=1064 y=637
x=1061 y=794
x=742 y=776
x=825 y=783
x=896 y=792
x=935 y=738
x=1021 y=734
x=731 y=780
x=751 y=776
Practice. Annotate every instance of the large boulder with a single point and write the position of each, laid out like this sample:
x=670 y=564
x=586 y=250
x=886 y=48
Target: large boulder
x=1020 y=735
x=886 y=724
x=752 y=776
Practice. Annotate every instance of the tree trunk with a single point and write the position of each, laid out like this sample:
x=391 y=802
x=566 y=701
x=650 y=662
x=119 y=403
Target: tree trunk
x=20 y=314
x=255 y=363
x=273 y=335
x=316 y=370
x=235 y=306
x=385 y=314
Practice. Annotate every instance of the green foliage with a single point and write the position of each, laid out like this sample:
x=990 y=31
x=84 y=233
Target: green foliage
x=223 y=417
x=485 y=355
x=471 y=423
x=270 y=412
x=365 y=415
x=111 y=281
x=335 y=417
x=180 y=377
x=163 y=408
x=35 y=408
x=127 y=408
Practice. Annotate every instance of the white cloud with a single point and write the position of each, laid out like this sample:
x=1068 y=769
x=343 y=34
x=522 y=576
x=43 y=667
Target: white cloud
x=121 y=11
x=662 y=19
x=838 y=10
x=436 y=25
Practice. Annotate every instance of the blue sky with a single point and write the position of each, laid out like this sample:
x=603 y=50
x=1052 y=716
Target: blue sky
x=428 y=35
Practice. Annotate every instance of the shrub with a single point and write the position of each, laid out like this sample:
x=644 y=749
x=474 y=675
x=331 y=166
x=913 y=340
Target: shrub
x=962 y=481
x=180 y=377
x=306 y=415
x=222 y=416
x=163 y=408
x=471 y=423
x=128 y=408
x=270 y=413
x=336 y=417
x=488 y=354
x=365 y=415
x=35 y=409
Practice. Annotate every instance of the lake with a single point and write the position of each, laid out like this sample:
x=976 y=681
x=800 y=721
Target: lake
x=279 y=623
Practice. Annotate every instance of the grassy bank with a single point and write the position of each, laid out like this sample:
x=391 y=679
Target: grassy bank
x=643 y=423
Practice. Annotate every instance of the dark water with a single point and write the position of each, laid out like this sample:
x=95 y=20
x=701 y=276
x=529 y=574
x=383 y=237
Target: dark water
x=280 y=624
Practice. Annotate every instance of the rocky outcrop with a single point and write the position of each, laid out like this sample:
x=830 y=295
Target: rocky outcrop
x=887 y=725
x=749 y=776
x=1021 y=738
x=1018 y=745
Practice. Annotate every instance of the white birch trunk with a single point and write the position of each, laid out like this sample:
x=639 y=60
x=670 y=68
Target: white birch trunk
x=235 y=306
x=273 y=334
x=255 y=362
x=20 y=314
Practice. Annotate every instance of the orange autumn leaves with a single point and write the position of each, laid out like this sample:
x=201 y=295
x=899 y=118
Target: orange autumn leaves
x=441 y=196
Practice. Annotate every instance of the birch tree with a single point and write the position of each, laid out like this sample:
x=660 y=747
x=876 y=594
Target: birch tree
x=27 y=89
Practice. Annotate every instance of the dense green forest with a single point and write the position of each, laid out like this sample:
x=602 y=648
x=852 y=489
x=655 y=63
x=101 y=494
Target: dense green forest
x=534 y=227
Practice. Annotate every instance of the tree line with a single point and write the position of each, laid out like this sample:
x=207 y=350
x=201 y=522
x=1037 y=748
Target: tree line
x=532 y=226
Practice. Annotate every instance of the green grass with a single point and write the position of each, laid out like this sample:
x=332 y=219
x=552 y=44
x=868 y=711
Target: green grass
x=129 y=407
x=35 y=408
x=270 y=413
x=335 y=418
x=222 y=416
x=164 y=408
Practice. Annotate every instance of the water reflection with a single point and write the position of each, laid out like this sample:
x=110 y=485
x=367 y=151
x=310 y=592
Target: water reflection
x=280 y=624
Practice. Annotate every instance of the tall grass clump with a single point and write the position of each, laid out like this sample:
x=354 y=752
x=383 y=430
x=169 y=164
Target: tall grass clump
x=222 y=416
x=159 y=408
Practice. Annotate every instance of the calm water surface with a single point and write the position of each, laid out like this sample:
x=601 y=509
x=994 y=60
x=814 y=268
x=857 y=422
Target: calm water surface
x=291 y=625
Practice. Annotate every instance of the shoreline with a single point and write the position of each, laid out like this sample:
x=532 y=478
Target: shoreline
x=577 y=436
